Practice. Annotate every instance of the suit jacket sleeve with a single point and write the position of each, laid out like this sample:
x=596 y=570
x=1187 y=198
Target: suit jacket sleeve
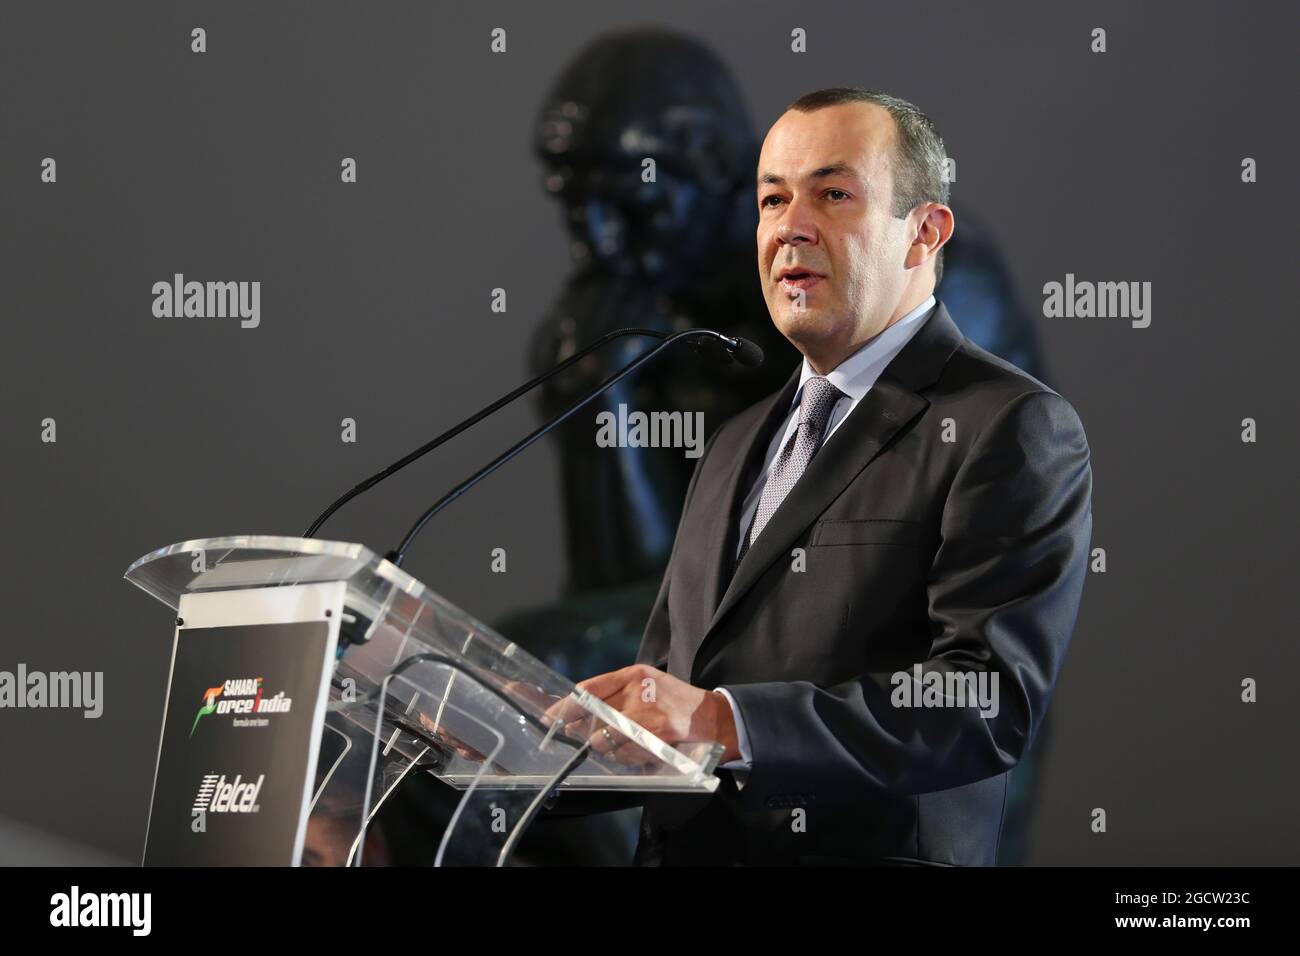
x=1003 y=593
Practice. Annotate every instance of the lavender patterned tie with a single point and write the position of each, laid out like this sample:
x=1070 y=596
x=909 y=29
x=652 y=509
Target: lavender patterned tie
x=819 y=397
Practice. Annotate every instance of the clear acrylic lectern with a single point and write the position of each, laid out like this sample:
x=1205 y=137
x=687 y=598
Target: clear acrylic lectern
x=419 y=686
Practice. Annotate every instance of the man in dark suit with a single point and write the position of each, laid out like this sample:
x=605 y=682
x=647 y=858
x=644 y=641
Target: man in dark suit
x=877 y=569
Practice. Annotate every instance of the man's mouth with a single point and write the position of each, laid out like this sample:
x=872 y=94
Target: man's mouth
x=799 y=281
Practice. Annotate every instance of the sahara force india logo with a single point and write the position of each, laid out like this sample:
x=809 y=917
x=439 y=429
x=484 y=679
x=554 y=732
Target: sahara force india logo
x=240 y=697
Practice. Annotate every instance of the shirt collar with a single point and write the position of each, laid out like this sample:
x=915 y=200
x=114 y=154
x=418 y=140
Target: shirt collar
x=857 y=373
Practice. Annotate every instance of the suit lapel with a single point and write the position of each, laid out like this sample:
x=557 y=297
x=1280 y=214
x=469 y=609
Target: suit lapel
x=720 y=533
x=892 y=403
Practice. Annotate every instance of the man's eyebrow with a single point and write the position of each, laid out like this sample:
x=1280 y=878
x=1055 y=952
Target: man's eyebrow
x=821 y=172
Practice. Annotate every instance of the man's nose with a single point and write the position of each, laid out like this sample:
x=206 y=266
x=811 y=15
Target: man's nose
x=796 y=226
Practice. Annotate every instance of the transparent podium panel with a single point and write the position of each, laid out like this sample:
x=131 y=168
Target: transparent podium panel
x=369 y=748
x=419 y=686
x=340 y=810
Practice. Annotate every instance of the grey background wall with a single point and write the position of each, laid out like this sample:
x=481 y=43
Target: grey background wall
x=1123 y=166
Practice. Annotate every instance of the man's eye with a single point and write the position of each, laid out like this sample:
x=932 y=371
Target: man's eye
x=767 y=199
x=837 y=192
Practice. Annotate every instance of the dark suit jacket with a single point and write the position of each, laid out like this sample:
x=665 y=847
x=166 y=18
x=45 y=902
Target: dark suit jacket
x=945 y=522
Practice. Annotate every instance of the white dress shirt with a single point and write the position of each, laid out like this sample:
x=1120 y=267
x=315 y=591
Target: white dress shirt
x=854 y=377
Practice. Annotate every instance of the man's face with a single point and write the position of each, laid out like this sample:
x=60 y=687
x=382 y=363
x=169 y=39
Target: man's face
x=825 y=208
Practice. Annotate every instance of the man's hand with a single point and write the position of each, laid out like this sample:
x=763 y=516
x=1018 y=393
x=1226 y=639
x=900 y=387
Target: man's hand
x=671 y=709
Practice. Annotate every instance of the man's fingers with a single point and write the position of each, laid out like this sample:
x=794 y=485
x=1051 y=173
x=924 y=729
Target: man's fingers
x=603 y=685
x=621 y=690
x=605 y=740
x=566 y=710
x=626 y=752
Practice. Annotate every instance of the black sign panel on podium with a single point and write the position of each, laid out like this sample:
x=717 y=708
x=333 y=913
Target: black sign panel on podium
x=238 y=749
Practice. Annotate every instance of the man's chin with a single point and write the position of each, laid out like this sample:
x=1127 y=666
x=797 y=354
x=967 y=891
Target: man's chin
x=804 y=325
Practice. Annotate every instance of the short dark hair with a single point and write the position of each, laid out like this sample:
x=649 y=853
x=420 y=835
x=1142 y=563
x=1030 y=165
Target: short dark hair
x=920 y=161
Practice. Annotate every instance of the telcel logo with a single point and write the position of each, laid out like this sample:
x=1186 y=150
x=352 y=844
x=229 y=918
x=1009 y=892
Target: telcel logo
x=219 y=795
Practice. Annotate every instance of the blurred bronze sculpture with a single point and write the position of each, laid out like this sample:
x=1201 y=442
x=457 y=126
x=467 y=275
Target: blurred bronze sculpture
x=665 y=254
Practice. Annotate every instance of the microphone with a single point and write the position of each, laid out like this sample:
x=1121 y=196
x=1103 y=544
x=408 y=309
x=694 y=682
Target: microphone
x=474 y=419
x=747 y=353
x=733 y=348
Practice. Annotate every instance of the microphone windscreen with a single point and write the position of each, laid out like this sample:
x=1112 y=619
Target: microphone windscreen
x=747 y=353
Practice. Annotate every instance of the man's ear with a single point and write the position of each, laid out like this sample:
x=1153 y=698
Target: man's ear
x=931 y=226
